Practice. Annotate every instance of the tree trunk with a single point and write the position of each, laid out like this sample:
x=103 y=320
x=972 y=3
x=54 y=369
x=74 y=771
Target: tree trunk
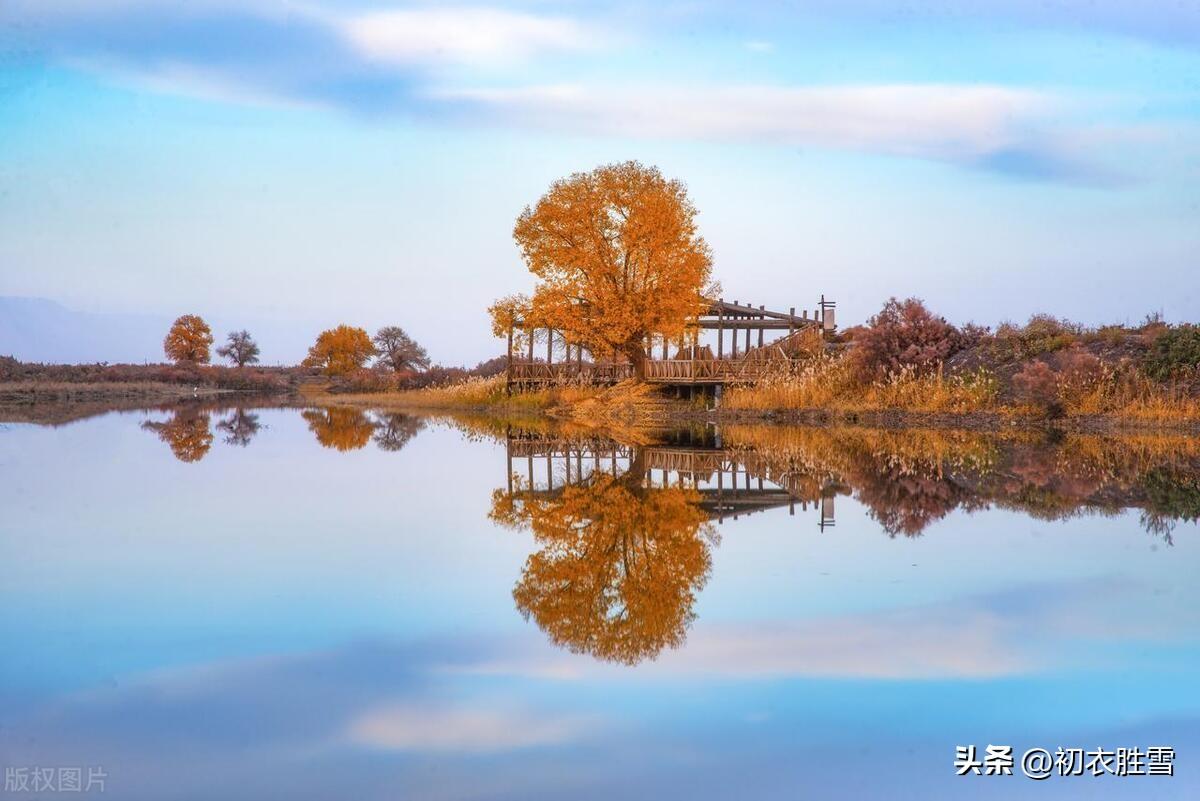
x=635 y=351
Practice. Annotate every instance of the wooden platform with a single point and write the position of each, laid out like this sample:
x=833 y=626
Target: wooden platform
x=693 y=364
x=676 y=372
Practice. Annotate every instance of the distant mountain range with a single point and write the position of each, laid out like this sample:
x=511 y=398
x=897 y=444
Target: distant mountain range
x=41 y=330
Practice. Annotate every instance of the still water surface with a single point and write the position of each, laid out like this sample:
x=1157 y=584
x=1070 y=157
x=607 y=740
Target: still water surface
x=331 y=604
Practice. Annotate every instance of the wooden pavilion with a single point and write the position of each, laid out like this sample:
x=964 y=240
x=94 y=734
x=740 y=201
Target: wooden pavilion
x=758 y=339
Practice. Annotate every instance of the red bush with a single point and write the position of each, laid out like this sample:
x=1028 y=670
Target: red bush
x=904 y=334
x=1037 y=384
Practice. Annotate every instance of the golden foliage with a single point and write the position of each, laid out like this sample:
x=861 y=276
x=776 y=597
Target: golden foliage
x=187 y=434
x=188 y=341
x=341 y=350
x=619 y=564
x=617 y=256
x=340 y=428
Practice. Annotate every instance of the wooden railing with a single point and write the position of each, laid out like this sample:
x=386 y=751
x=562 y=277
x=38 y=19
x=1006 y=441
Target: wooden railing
x=664 y=371
x=716 y=371
x=568 y=373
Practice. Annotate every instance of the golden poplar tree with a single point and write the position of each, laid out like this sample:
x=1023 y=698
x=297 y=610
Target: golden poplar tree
x=188 y=341
x=341 y=350
x=617 y=257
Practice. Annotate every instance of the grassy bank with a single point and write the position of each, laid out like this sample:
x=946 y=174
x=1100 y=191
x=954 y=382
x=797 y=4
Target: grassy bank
x=473 y=394
x=833 y=384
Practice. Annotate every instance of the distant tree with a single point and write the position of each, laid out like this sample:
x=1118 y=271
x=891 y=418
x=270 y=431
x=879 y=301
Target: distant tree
x=398 y=352
x=341 y=350
x=188 y=340
x=617 y=256
x=239 y=348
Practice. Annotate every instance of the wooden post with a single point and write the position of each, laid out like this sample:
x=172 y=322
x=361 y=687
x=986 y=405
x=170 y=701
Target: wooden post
x=529 y=333
x=760 y=331
x=692 y=361
x=508 y=384
x=666 y=353
x=734 y=332
x=721 y=330
x=549 y=346
x=791 y=324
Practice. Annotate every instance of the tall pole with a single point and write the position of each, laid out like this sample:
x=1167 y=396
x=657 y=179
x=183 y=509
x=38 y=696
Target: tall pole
x=721 y=329
x=508 y=381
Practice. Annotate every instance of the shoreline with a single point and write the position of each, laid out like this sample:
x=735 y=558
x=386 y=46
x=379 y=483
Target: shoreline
x=46 y=403
x=681 y=413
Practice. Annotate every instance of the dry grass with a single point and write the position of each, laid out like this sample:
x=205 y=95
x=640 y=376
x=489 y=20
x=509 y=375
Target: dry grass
x=1130 y=394
x=472 y=394
x=833 y=383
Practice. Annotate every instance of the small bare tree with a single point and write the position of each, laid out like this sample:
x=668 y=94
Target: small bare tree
x=398 y=352
x=240 y=349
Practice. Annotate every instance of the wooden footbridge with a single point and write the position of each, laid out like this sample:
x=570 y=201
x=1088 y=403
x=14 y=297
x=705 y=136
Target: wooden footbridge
x=691 y=364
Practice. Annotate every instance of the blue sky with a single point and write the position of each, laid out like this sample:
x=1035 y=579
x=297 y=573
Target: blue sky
x=289 y=166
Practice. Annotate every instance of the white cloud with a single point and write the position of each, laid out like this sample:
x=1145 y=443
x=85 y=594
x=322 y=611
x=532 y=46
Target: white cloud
x=418 y=727
x=460 y=35
x=930 y=643
x=933 y=120
x=759 y=46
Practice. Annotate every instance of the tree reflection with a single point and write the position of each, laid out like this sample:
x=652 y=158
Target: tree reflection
x=340 y=428
x=396 y=429
x=240 y=427
x=186 y=433
x=619 y=564
x=907 y=501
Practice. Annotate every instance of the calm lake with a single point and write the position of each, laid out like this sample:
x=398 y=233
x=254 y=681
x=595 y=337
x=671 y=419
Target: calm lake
x=219 y=603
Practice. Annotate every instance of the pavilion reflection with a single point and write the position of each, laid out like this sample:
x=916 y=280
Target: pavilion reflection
x=624 y=533
x=728 y=483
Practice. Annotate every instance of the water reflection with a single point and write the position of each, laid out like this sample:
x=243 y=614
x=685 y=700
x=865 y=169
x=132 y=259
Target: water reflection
x=240 y=427
x=907 y=479
x=620 y=561
x=624 y=531
x=395 y=429
x=187 y=433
